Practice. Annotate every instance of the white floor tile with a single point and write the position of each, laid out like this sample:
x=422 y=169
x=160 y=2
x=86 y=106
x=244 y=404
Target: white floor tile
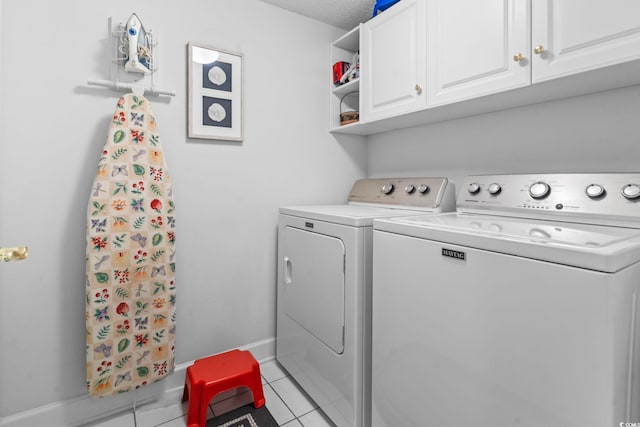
x=295 y=398
x=178 y=422
x=271 y=371
x=150 y=415
x=166 y=416
x=276 y=406
x=124 y=420
x=292 y=423
x=315 y=419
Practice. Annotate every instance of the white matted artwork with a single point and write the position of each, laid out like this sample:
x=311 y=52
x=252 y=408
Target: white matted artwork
x=215 y=93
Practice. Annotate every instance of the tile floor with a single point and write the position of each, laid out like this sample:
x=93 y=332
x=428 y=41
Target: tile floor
x=288 y=404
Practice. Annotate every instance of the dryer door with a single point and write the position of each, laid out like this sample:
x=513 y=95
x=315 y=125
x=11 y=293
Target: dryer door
x=313 y=288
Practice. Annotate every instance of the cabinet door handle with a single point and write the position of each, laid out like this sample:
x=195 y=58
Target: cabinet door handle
x=538 y=49
x=418 y=88
x=518 y=57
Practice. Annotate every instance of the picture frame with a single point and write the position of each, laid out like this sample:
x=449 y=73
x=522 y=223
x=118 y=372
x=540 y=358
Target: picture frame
x=215 y=104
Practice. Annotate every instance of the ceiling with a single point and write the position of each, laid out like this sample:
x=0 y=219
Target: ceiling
x=345 y=14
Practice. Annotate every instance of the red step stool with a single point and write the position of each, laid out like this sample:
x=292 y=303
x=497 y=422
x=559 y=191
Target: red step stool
x=215 y=374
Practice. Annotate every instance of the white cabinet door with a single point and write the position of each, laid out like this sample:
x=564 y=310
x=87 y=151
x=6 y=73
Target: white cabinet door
x=471 y=47
x=579 y=36
x=393 y=61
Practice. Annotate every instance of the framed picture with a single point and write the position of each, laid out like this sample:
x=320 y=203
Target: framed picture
x=215 y=93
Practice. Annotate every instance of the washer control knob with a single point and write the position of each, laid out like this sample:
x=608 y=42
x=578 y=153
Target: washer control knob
x=539 y=190
x=594 y=191
x=409 y=189
x=387 y=188
x=423 y=188
x=495 y=189
x=473 y=188
x=631 y=191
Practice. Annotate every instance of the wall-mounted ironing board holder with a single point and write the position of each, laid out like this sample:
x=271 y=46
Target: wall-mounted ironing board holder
x=119 y=78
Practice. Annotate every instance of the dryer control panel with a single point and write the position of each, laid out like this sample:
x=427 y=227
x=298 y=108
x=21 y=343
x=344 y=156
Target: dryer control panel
x=433 y=194
x=598 y=198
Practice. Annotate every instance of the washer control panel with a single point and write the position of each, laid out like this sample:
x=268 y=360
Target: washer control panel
x=598 y=197
x=425 y=192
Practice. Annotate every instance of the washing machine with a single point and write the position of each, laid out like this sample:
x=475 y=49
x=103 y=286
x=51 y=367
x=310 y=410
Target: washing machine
x=520 y=309
x=324 y=289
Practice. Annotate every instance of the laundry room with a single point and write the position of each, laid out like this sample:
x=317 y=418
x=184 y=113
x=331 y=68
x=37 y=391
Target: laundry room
x=228 y=192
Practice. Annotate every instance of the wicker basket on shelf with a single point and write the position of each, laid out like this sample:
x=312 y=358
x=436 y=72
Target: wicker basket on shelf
x=348 y=117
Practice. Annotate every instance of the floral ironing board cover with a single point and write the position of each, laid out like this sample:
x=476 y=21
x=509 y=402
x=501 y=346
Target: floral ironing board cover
x=130 y=305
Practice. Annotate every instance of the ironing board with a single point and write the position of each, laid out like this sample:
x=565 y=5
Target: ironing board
x=130 y=305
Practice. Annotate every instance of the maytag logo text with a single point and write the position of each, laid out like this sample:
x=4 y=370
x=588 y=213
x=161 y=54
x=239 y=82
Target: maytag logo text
x=454 y=254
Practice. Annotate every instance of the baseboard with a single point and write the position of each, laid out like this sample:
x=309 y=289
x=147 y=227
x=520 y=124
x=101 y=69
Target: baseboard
x=83 y=410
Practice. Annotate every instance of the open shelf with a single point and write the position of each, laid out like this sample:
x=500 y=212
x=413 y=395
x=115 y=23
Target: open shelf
x=344 y=49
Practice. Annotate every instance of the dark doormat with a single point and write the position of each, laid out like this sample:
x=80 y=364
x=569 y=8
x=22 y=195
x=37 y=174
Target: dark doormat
x=245 y=416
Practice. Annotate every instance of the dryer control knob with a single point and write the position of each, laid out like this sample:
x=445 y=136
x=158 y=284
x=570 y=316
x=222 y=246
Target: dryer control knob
x=539 y=190
x=631 y=191
x=473 y=188
x=387 y=188
x=594 y=191
x=409 y=189
x=423 y=188
x=495 y=188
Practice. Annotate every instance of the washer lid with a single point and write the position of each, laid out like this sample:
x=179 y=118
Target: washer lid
x=351 y=215
x=594 y=247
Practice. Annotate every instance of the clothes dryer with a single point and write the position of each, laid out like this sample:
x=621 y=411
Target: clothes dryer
x=324 y=289
x=521 y=309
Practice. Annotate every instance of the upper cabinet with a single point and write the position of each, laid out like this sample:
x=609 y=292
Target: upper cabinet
x=572 y=36
x=476 y=48
x=425 y=61
x=394 y=61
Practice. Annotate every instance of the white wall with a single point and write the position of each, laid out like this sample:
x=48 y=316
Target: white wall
x=591 y=133
x=227 y=194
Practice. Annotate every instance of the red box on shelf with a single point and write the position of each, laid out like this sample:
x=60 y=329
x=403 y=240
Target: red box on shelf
x=339 y=68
